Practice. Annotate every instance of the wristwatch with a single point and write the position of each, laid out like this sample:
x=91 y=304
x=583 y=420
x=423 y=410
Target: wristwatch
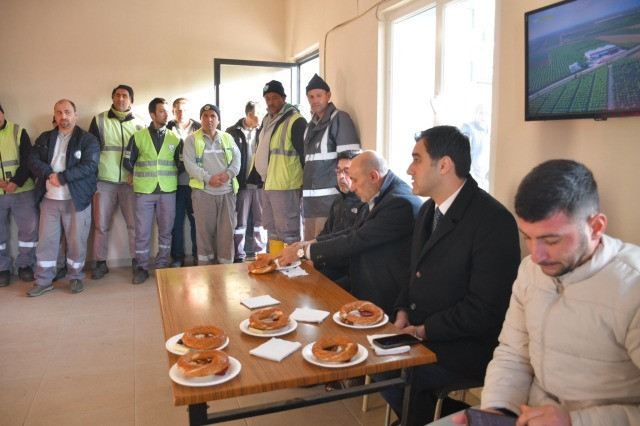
x=300 y=252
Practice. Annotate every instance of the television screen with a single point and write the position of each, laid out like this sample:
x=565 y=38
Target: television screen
x=583 y=60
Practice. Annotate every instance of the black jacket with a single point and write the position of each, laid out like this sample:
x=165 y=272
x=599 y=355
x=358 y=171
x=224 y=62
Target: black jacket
x=80 y=174
x=378 y=246
x=245 y=162
x=343 y=213
x=461 y=278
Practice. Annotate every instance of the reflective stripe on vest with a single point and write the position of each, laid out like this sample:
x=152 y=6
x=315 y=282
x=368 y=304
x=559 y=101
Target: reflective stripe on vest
x=114 y=138
x=284 y=171
x=10 y=150
x=322 y=154
x=226 y=140
x=155 y=168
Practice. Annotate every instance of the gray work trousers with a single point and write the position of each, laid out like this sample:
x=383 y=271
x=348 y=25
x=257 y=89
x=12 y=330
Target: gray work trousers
x=215 y=222
x=109 y=196
x=164 y=207
x=76 y=225
x=249 y=200
x=22 y=206
x=281 y=214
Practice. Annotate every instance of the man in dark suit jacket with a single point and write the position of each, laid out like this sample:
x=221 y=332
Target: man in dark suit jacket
x=379 y=244
x=461 y=270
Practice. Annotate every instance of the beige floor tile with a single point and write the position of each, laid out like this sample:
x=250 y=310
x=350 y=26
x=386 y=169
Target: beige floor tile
x=163 y=414
x=104 y=303
x=16 y=397
x=34 y=334
x=153 y=383
x=23 y=364
x=84 y=392
x=121 y=416
x=16 y=306
x=99 y=354
x=376 y=409
x=150 y=346
x=106 y=324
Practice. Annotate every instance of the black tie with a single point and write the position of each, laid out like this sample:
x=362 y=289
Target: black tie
x=437 y=215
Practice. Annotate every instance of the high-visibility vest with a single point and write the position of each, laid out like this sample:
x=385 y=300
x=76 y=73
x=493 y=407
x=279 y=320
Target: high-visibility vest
x=227 y=145
x=284 y=171
x=10 y=152
x=155 y=168
x=114 y=135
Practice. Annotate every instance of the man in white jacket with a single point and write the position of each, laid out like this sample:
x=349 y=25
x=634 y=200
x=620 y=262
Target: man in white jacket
x=569 y=350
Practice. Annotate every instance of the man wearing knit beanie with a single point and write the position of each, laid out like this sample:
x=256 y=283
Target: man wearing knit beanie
x=279 y=161
x=113 y=128
x=329 y=132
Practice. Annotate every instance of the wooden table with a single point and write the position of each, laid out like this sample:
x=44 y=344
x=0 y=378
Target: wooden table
x=211 y=295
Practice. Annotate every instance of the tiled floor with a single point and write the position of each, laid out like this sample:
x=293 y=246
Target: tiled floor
x=98 y=358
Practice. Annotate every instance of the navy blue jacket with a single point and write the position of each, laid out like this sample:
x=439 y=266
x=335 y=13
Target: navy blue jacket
x=80 y=175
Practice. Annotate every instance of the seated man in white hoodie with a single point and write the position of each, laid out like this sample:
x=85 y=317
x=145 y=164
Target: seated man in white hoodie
x=569 y=350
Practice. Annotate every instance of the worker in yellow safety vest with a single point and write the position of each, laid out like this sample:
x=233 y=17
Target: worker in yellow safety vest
x=113 y=128
x=153 y=156
x=18 y=197
x=212 y=159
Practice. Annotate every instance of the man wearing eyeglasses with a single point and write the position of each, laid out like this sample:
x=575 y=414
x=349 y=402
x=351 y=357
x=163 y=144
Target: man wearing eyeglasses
x=342 y=215
x=329 y=132
x=378 y=246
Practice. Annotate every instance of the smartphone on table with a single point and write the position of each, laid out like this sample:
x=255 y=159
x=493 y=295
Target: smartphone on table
x=395 y=341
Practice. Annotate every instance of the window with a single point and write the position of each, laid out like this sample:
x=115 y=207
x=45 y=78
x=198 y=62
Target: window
x=239 y=81
x=440 y=62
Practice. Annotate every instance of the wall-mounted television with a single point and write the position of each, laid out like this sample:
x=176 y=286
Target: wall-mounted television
x=582 y=60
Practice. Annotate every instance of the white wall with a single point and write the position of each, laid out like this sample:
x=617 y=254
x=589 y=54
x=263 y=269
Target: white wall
x=611 y=148
x=81 y=49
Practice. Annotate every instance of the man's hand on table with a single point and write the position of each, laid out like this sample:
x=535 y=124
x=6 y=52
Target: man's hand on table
x=289 y=255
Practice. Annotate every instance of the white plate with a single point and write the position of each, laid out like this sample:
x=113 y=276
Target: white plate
x=360 y=356
x=338 y=320
x=244 y=327
x=177 y=376
x=173 y=340
x=283 y=268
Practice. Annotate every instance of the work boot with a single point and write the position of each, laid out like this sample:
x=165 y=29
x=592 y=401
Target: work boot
x=177 y=262
x=75 y=287
x=134 y=265
x=26 y=274
x=37 y=290
x=140 y=275
x=101 y=270
x=60 y=274
x=5 y=276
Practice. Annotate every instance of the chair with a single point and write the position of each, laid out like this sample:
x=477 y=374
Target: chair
x=461 y=386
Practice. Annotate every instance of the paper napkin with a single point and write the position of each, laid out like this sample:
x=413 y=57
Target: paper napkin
x=309 y=315
x=276 y=349
x=392 y=351
x=259 y=301
x=294 y=272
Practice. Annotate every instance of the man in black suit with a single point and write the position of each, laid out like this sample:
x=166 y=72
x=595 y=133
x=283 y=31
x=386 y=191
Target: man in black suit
x=462 y=268
x=379 y=244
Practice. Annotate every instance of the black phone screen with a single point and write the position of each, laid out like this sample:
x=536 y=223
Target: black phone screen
x=395 y=341
x=483 y=418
